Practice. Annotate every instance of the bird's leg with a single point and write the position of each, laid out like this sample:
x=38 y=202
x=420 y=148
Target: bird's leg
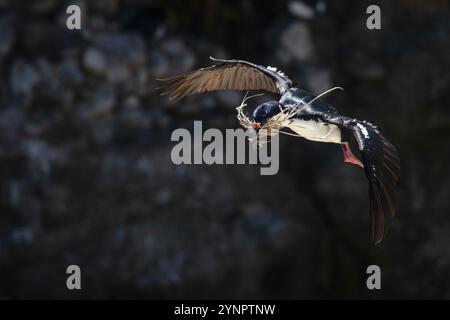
x=349 y=156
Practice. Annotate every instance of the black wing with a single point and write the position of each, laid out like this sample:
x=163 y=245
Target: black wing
x=382 y=168
x=228 y=75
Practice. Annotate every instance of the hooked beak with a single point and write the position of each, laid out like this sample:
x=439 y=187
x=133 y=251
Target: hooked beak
x=256 y=125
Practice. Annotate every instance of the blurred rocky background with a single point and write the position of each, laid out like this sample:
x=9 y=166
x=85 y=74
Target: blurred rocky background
x=86 y=176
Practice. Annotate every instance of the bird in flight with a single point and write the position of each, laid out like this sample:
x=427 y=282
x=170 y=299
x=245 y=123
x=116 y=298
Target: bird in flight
x=310 y=118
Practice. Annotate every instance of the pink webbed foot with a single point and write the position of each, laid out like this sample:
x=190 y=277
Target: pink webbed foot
x=349 y=157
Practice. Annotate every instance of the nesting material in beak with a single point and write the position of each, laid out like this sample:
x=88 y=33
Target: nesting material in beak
x=270 y=128
x=274 y=125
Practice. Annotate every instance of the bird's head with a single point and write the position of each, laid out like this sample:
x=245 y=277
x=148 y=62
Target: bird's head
x=264 y=112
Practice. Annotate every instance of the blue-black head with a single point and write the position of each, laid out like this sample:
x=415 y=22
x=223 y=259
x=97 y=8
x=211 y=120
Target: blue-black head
x=264 y=112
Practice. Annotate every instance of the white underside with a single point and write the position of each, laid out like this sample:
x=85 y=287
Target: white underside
x=316 y=131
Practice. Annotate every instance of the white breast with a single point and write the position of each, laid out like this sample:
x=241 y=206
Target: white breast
x=316 y=130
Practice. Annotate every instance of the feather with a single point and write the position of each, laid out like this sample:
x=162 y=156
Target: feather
x=228 y=75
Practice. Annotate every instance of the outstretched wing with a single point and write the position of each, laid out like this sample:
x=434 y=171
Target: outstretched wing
x=382 y=168
x=228 y=75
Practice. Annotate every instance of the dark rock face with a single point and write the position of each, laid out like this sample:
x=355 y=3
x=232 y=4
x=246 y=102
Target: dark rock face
x=86 y=176
x=7 y=34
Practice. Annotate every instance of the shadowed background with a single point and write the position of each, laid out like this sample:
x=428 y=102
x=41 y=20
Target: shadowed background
x=86 y=176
